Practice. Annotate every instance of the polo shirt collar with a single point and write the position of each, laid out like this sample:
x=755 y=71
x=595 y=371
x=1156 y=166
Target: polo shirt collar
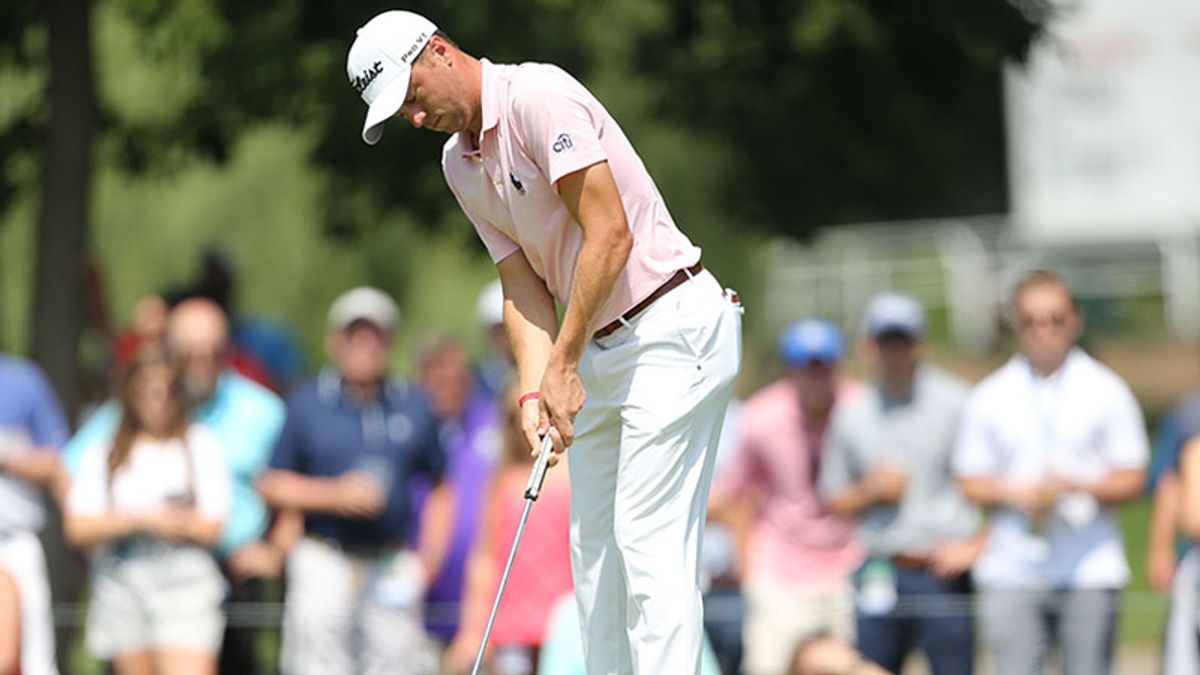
x=1057 y=376
x=331 y=389
x=489 y=108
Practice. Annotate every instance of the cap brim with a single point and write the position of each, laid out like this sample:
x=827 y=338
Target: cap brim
x=384 y=107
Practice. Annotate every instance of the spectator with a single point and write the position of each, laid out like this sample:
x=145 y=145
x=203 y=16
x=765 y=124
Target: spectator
x=146 y=332
x=246 y=419
x=887 y=463
x=32 y=428
x=1052 y=442
x=351 y=444
x=152 y=502
x=470 y=434
x=1169 y=573
x=797 y=557
x=541 y=572
x=496 y=366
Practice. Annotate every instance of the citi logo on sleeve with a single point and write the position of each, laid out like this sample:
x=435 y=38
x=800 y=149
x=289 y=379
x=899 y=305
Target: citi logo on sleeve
x=563 y=142
x=368 y=76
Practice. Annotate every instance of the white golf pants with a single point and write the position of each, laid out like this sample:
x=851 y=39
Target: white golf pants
x=641 y=467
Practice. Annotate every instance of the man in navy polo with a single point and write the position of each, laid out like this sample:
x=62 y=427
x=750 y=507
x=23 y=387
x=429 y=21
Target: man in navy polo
x=32 y=429
x=352 y=442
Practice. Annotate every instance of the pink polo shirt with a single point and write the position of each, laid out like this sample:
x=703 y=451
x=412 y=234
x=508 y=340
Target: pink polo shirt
x=793 y=538
x=540 y=124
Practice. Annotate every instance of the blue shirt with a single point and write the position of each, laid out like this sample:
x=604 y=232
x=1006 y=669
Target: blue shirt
x=394 y=438
x=1178 y=427
x=245 y=417
x=29 y=412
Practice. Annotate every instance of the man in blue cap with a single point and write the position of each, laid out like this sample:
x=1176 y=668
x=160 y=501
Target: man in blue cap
x=887 y=464
x=796 y=557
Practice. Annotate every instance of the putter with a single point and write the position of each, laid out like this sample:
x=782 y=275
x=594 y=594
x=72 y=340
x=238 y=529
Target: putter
x=532 y=489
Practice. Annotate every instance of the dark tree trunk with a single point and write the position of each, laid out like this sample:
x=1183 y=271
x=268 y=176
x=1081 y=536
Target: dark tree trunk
x=63 y=222
x=63 y=213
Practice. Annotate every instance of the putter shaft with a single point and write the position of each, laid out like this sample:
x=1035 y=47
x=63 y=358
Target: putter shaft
x=532 y=490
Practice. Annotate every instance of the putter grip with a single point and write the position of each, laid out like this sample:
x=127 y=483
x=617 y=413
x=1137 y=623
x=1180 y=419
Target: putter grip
x=540 y=465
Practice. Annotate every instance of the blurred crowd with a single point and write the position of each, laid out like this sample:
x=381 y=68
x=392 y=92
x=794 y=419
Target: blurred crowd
x=851 y=523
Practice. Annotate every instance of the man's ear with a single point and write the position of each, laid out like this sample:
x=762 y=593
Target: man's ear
x=438 y=49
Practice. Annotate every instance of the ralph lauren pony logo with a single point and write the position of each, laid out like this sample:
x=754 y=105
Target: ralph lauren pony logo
x=563 y=142
x=516 y=183
x=368 y=76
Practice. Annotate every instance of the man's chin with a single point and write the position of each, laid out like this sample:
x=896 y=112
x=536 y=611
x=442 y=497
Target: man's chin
x=199 y=392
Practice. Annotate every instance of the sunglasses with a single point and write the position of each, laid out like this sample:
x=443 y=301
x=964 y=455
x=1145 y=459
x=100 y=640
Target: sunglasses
x=1056 y=321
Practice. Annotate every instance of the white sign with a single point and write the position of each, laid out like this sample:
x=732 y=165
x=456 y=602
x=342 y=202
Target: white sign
x=1104 y=123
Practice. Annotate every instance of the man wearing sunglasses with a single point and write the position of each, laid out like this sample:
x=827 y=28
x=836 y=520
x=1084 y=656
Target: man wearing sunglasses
x=1052 y=443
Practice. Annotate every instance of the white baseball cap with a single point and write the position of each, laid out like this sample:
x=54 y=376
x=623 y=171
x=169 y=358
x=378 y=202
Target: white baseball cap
x=892 y=312
x=364 y=304
x=489 y=309
x=380 y=64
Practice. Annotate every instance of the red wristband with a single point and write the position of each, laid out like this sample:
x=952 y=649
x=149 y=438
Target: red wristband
x=531 y=396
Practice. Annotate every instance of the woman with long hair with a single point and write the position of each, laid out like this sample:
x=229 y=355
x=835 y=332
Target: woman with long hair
x=151 y=504
x=541 y=573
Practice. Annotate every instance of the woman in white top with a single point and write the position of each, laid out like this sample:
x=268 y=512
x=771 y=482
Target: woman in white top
x=151 y=503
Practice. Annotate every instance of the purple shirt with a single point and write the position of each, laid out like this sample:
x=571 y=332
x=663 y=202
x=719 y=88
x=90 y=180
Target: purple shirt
x=472 y=444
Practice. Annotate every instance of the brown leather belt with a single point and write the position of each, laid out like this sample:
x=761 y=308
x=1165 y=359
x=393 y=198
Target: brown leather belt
x=669 y=285
x=910 y=561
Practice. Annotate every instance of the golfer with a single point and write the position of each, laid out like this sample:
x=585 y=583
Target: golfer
x=649 y=339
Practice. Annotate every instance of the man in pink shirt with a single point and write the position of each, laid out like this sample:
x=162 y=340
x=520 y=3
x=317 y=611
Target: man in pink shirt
x=569 y=213
x=797 y=558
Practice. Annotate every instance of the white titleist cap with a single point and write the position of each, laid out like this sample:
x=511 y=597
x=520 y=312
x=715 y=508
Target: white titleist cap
x=380 y=64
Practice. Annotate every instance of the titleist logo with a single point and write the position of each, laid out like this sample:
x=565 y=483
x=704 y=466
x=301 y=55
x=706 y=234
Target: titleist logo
x=368 y=76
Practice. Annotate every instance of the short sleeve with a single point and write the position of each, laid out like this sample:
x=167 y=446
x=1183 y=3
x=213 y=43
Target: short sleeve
x=1126 y=445
x=559 y=122
x=974 y=451
x=289 y=452
x=88 y=495
x=1168 y=442
x=214 y=491
x=837 y=466
x=48 y=425
x=499 y=245
x=98 y=429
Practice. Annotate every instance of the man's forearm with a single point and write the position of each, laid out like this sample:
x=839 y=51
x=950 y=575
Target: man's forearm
x=437 y=523
x=601 y=261
x=292 y=491
x=37 y=467
x=529 y=318
x=851 y=501
x=592 y=197
x=1119 y=486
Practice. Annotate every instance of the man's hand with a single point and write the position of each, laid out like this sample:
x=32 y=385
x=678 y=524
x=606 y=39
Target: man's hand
x=359 y=495
x=885 y=484
x=1160 y=569
x=954 y=558
x=1031 y=498
x=561 y=398
x=170 y=523
x=256 y=560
